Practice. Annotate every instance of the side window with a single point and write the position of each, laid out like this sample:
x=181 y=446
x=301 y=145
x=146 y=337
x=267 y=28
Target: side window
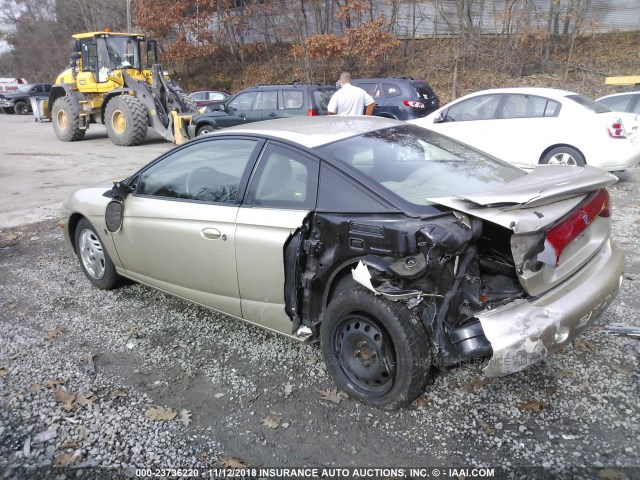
x=267 y=100
x=47 y=88
x=198 y=96
x=476 y=108
x=531 y=106
x=243 y=102
x=336 y=193
x=210 y=171
x=371 y=88
x=391 y=90
x=284 y=178
x=515 y=106
x=292 y=98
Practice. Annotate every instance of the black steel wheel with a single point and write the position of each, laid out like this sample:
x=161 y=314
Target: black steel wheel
x=375 y=350
x=21 y=107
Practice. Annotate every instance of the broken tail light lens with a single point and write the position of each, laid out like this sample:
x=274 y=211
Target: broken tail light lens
x=616 y=129
x=563 y=233
x=413 y=104
x=311 y=113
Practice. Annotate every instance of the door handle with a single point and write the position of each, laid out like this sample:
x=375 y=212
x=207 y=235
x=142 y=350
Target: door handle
x=273 y=115
x=211 y=233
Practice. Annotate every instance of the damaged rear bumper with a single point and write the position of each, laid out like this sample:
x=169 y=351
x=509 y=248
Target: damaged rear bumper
x=524 y=332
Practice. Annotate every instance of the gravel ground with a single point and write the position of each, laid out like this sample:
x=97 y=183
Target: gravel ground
x=97 y=384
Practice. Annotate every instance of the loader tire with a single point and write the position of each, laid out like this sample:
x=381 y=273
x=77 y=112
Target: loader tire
x=126 y=120
x=66 y=120
x=189 y=102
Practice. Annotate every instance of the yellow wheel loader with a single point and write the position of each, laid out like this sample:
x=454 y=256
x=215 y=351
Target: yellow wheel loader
x=115 y=79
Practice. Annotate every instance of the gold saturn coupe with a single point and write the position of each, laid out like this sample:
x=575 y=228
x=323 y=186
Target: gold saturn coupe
x=394 y=247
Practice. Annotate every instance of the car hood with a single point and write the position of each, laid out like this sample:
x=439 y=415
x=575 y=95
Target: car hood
x=535 y=200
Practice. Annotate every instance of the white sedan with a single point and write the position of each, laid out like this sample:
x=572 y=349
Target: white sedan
x=531 y=126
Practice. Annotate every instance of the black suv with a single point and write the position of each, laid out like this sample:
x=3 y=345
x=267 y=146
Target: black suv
x=402 y=98
x=264 y=102
x=19 y=101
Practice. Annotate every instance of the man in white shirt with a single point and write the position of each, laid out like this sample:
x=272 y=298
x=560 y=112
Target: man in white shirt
x=349 y=99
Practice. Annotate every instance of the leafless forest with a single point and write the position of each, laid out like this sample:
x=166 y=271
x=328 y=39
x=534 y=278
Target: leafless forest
x=230 y=44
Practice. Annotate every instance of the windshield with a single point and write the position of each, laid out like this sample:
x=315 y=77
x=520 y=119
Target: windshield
x=417 y=164
x=24 y=88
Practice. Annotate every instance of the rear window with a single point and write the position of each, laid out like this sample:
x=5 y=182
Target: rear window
x=418 y=164
x=589 y=104
x=424 y=90
x=321 y=99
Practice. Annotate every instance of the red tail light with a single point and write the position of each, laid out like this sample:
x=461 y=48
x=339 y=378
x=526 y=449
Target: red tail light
x=563 y=233
x=616 y=129
x=413 y=104
x=311 y=113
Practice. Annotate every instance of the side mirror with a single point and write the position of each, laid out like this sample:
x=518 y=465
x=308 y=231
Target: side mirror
x=442 y=118
x=113 y=215
x=119 y=191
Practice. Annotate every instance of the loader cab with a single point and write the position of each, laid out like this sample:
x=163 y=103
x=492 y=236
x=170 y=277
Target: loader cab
x=103 y=52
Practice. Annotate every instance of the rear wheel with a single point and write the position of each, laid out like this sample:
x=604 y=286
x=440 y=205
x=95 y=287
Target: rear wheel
x=564 y=156
x=66 y=120
x=21 y=107
x=94 y=259
x=126 y=120
x=375 y=350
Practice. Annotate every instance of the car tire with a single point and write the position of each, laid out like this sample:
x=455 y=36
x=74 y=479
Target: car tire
x=94 y=259
x=126 y=120
x=205 y=130
x=375 y=350
x=563 y=156
x=66 y=120
x=21 y=107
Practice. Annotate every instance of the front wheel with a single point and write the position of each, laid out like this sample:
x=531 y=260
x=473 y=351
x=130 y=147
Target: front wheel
x=94 y=259
x=66 y=120
x=375 y=350
x=564 y=156
x=126 y=120
x=205 y=130
x=21 y=107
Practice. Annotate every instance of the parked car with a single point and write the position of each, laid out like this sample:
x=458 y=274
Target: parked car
x=622 y=102
x=402 y=98
x=207 y=97
x=395 y=246
x=19 y=101
x=531 y=126
x=264 y=102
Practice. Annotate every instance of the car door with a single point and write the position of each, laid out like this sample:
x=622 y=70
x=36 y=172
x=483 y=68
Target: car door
x=292 y=103
x=471 y=120
x=178 y=232
x=478 y=121
x=267 y=103
x=526 y=125
x=240 y=110
x=282 y=193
